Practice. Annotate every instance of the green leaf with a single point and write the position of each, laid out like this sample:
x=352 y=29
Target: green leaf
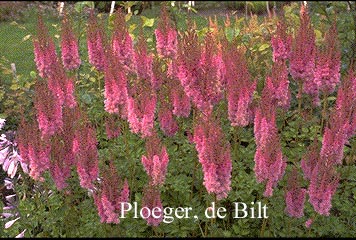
x=25 y=38
x=147 y=22
x=263 y=47
x=229 y=33
x=33 y=74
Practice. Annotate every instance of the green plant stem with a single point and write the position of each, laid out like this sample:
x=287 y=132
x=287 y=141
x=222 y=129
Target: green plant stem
x=264 y=223
x=323 y=113
x=300 y=101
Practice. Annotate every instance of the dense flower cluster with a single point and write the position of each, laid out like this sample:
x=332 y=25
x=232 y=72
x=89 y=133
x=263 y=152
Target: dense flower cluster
x=269 y=160
x=111 y=194
x=201 y=70
x=69 y=46
x=281 y=43
x=295 y=196
x=156 y=161
x=239 y=87
x=214 y=155
x=95 y=42
x=166 y=36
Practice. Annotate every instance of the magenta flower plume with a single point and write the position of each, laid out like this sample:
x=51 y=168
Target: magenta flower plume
x=156 y=161
x=201 y=70
x=328 y=62
x=95 y=42
x=279 y=84
x=109 y=197
x=152 y=200
x=310 y=159
x=322 y=187
x=86 y=152
x=239 y=87
x=62 y=151
x=167 y=123
x=166 y=36
x=44 y=50
x=115 y=91
x=269 y=160
x=69 y=46
x=295 y=196
x=143 y=60
x=48 y=110
x=112 y=127
x=121 y=42
x=214 y=155
x=302 y=59
x=34 y=150
x=281 y=43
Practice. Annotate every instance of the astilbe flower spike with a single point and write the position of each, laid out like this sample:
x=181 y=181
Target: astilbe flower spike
x=295 y=196
x=281 y=43
x=95 y=42
x=239 y=87
x=156 y=161
x=165 y=115
x=48 y=110
x=302 y=57
x=143 y=60
x=69 y=46
x=111 y=194
x=328 y=62
x=269 y=160
x=62 y=158
x=112 y=127
x=85 y=151
x=121 y=42
x=179 y=99
x=115 y=91
x=152 y=200
x=214 y=155
x=34 y=150
x=322 y=187
x=341 y=125
x=166 y=36
x=201 y=70
x=44 y=50
x=280 y=84
x=310 y=159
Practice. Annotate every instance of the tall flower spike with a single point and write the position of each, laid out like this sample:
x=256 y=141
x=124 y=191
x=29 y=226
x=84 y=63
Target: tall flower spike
x=86 y=152
x=165 y=116
x=295 y=196
x=201 y=70
x=310 y=159
x=62 y=152
x=302 y=57
x=48 y=110
x=239 y=87
x=115 y=85
x=44 y=50
x=281 y=43
x=69 y=46
x=151 y=200
x=143 y=60
x=122 y=45
x=95 y=41
x=34 y=150
x=156 y=161
x=328 y=62
x=269 y=160
x=112 y=127
x=323 y=184
x=112 y=192
x=280 y=82
x=214 y=155
x=166 y=36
